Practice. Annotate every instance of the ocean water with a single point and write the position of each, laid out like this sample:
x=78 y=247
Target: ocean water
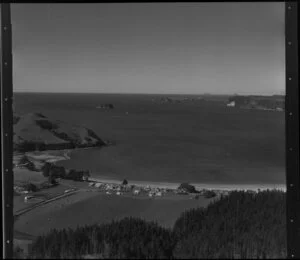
x=201 y=142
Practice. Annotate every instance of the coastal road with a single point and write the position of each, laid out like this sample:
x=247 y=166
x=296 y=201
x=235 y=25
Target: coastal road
x=23 y=211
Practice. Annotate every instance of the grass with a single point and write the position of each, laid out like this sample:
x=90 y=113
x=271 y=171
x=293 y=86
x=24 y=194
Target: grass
x=93 y=207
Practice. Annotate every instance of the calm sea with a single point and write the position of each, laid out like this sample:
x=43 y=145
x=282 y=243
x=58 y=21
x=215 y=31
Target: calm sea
x=204 y=142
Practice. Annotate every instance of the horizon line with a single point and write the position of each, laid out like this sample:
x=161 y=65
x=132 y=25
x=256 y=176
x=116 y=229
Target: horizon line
x=136 y=93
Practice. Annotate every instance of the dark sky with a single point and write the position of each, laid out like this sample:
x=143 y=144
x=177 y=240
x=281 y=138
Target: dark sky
x=192 y=48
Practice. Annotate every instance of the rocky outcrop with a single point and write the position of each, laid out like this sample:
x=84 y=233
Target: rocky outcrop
x=37 y=132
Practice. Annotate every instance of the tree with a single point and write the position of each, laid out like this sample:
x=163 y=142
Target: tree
x=46 y=169
x=187 y=188
x=58 y=171
x=30 y=187
x=25 y=162
x=125 y=182
x=75 y=175
x=86 y=175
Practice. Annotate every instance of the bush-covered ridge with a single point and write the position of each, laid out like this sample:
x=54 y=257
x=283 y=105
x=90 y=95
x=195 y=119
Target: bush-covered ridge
x=240 y=225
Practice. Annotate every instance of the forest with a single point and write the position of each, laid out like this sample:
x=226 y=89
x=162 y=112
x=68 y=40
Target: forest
x=242 y=224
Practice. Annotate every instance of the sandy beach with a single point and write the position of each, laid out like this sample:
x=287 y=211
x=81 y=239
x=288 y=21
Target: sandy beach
x=53 y=156
x=198 y=186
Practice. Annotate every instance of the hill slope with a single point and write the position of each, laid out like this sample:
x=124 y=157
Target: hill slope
x=36 y=131
x=241 y=225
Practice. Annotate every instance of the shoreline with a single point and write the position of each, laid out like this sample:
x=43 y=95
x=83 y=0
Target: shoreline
x=198 y=186
x=66 y=155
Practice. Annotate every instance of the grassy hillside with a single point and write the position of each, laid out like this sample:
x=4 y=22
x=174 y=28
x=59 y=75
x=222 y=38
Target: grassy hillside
x=34 y=131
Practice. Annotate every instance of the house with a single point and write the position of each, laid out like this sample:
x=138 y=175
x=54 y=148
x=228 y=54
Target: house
x=85 y=177
x=98 y=185
x=231 y=104
x=26 y=198
x=136 y=192
x=159 y=194
x=126 y=188
x=108 y=187
x=147 y=188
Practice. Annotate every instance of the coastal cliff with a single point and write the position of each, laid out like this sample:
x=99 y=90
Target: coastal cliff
x=35 y=131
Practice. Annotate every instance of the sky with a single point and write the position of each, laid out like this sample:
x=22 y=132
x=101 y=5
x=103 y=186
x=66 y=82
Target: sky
x=163 y=48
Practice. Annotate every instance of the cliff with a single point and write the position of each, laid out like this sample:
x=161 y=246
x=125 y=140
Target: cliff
x=37 y=132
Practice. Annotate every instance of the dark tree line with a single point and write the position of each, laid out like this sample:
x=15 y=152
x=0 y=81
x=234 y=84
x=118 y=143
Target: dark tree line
x=119 y=239
x=240 y=225
x=52 y=172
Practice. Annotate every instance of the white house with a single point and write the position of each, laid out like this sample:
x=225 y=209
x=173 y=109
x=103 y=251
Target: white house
x=136 y=192
x=231 y=104
x=26 y=198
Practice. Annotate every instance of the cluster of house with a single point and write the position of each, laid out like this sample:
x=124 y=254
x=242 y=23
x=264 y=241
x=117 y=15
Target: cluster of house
x=22 y=190
x=119 y=189
x=152 y=192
